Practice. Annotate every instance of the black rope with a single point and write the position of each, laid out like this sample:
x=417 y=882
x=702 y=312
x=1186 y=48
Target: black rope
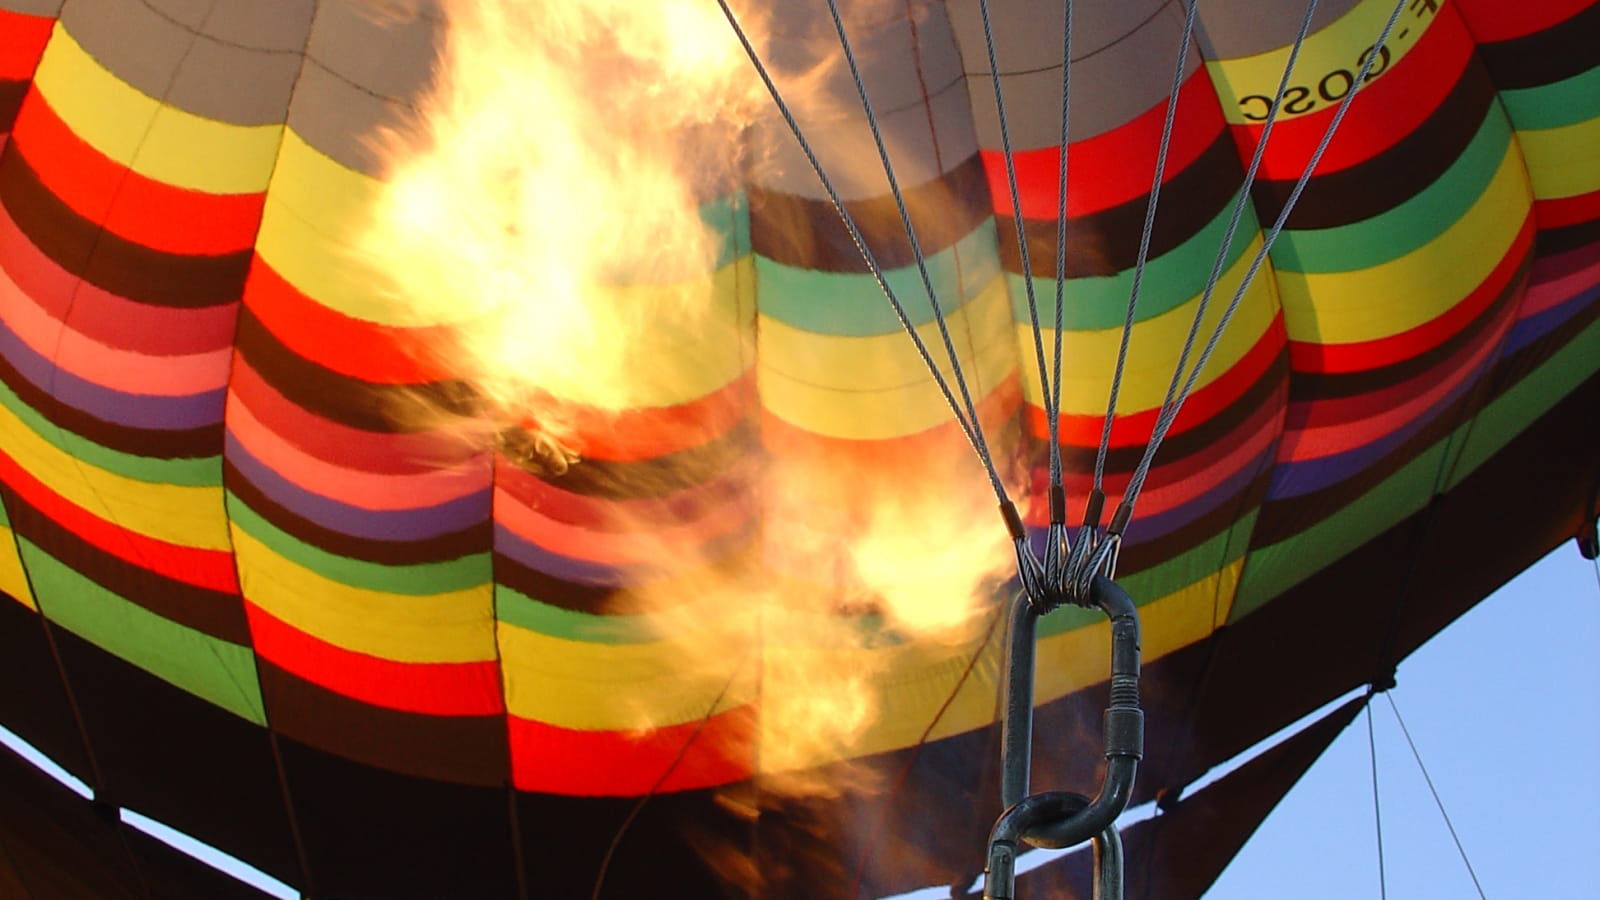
x=1416 y=754
x=972 y=430
x=1144 y=251
x=1164 y=423
x=1377 y=814
x=1016 y=215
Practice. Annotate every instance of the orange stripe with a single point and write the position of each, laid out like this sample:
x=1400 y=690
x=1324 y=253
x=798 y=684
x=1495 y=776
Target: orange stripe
x=1134 y=429
x=130 y=205
x=22 y=40
x=212 y=569
x=553 y=760
x=379 y=354
x=1385 y=111
x=437 y=689
x=1114 y=167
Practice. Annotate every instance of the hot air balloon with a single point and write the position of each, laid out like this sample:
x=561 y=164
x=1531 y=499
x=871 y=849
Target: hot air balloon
x=464 y=449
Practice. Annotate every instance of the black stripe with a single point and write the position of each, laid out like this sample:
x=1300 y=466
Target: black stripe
x=11 y=94
x=442 y=548
x=192 y=443
x=216 y=613
x=1557 y=53
x=736 y=450
x=458 y=749
x=1286 y=517
x=599 y=600
x=808 y=234
x=1552 y=241
x=120 y=266
x=1107 y=242
x=1392 y=177
x=385 y=409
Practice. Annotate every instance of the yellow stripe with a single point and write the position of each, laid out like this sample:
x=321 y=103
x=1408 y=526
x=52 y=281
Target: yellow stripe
x=1377 y=302
x=873 y=388
x=1247 y=84
x=186 y=516
x=623 y=687
x=910 y=683
x=158 y=141
x=452 y=627
x=1089 y=357
x=1565 y=161
x=13 y=580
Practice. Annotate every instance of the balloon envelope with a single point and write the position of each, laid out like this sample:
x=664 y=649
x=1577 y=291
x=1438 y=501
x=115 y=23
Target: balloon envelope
x=264 y=585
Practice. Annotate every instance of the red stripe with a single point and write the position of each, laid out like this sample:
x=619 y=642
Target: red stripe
x=1135 y=429
x=614 y=516
x=435 y=689
x=380 y=354
x=1111 y=168
x=140 y=209
x=630 y=435
x=1386 y=110
x=1563 y=211
x=1504 y=20
x=1322 y=412
x=1308 y=356
x=401 y=453
x=22 y=40
x=212 y=569
x=553 y=760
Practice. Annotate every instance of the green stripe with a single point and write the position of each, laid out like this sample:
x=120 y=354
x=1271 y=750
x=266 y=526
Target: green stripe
x=516 y=608
x=850 y=303
x=1189 y=567
x=414 y=580
x=1274 y=569
x=1566 y=102
x=1517 y=408
x=1409 y=226
x=221 y=672
x=204 y=471
x=1170 y=280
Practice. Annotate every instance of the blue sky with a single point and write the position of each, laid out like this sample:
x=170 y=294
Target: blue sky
x=1505 y=708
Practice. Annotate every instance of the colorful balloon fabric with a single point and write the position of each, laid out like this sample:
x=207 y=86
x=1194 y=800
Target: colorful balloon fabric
x=249 y=596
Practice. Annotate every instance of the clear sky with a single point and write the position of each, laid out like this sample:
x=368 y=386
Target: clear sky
x=1504 y=706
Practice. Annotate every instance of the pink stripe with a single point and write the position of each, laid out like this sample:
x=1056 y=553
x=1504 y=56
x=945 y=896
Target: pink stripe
x=1545 y=295
x=1327 y=440
x=403 y=453
x=121 y=370
x=1158 y=498
x=368 y=490
x=105 y=317
x=648 y=546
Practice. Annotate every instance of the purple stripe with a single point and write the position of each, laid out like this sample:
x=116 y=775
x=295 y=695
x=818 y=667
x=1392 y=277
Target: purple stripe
x=1528 y=330
x=382 y=525
x=147 y=411
x=582 y=571
x=1292 y=479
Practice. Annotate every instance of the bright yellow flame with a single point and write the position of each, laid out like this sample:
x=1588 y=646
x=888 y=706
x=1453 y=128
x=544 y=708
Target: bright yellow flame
x=548 y=205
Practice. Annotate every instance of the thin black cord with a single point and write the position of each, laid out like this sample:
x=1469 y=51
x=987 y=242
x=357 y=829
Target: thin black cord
x=1377 y=815
x=973 y=433
x=905 y=221
x=1416 y=754
x=1144 y=249
x=622 y=830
